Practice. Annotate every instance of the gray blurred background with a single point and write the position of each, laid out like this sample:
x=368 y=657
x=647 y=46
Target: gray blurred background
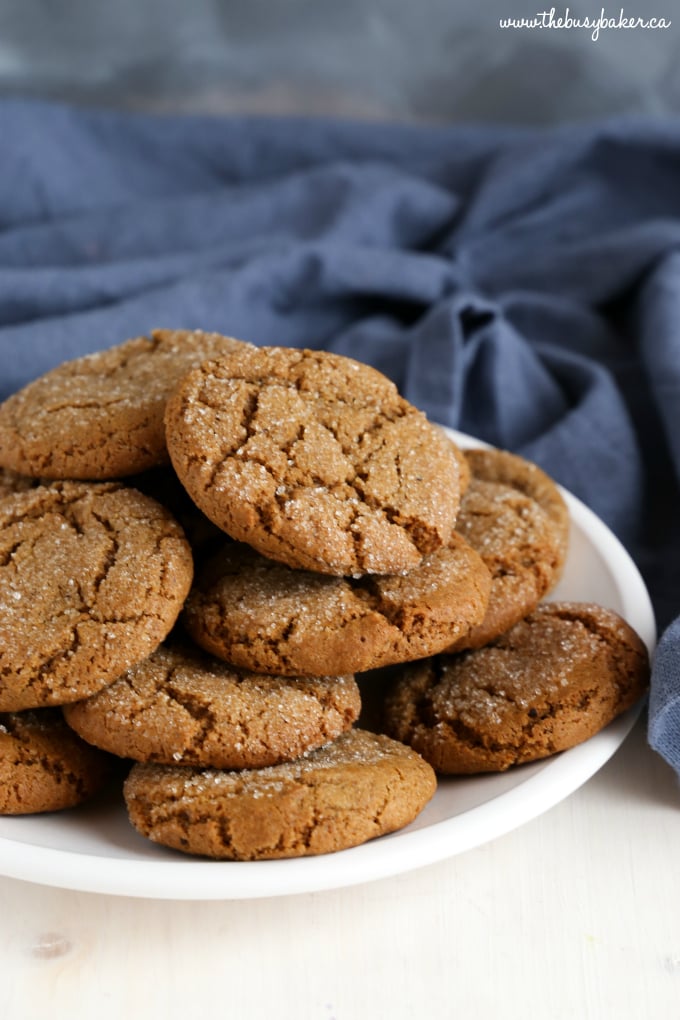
x=436 y=60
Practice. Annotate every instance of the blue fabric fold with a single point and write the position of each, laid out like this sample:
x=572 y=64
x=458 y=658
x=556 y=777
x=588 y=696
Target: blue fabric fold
x=523 y=286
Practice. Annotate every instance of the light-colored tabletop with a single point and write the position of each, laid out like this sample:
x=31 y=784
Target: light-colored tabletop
x=573 y=916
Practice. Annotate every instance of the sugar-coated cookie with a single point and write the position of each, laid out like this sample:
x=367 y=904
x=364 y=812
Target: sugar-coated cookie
x=360 y=786
x=180 y=706
x=101 y=416
x=552 y=681
x=263 y=615
x=501 y=466
x=44 y=765
x=92 y=578
x=523 y=547
x=313 y=459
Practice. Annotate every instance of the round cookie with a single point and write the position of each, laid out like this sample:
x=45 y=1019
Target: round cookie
x=552 y=681
x=101 y=416
x=44 y=765
x=313 y=459
x=265 y=616
x=181 y=707
x=495 y=465
x=360 y=786
x=92 y=578
x=519 y=545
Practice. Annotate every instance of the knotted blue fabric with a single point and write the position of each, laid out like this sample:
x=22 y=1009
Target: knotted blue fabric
x=523 y=286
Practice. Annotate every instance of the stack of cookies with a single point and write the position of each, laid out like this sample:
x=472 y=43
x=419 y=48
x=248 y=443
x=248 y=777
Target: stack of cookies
x=209 y=549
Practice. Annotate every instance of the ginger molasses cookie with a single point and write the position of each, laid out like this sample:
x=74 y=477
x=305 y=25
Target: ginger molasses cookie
x=521 y=547
x=92 y=578
x=313 y=459
x=507 y=468
x=101 y=416
x=552 y=681
x=44 y=765
x=360 y=786
x=263 y=615
x=180 y=706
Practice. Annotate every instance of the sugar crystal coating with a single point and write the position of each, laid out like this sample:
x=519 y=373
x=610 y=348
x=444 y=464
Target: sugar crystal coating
x=92 y=578
x=180 y=705
x=505 y=468
x=101 y=416
x=553 y=680
x=266 y=616
x=521 y=547
x=360 y=786
x=314 y=460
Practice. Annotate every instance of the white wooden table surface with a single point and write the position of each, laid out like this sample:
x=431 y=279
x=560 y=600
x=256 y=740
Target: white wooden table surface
x=574 y=916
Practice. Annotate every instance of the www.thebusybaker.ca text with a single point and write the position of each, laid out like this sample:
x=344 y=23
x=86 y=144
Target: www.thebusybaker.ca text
x=550 y=19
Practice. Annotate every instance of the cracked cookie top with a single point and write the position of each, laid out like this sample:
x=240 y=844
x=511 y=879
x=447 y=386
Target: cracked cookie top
x=504 y=468
x=522 y=541
x=313 y=459
x=552 y=681
x=265 y=616
x=355 y=788
x=101 y=416
x=44 y=765
x=183 y=707
x=92 y=578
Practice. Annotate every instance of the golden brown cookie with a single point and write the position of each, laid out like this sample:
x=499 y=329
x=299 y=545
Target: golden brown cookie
x=313 y=459
x=92 y=578
x=265 y=616
x=494 y=465
x=520 y=546
x=44 y=765
x=101 y=416
x=360 y=786
x=552 y=681
x=181 y=707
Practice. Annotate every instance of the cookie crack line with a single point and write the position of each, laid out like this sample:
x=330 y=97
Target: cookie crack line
x=387 y=800
x=307 y=832
x=381 y=418
x=226 y=838
x=29 y=507
x=472 y=738
x=199 y=711
x=348 y=449
x=110 y=560
x=570 y=615
x=249 y=414
x=103 y=402
x=9 y=555
x=45 y=675
x=368 y=593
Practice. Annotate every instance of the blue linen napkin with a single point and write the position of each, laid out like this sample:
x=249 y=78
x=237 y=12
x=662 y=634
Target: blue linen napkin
x=523 y=286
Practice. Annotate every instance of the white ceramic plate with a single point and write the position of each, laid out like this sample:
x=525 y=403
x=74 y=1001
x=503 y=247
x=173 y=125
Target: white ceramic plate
x=94 y=848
